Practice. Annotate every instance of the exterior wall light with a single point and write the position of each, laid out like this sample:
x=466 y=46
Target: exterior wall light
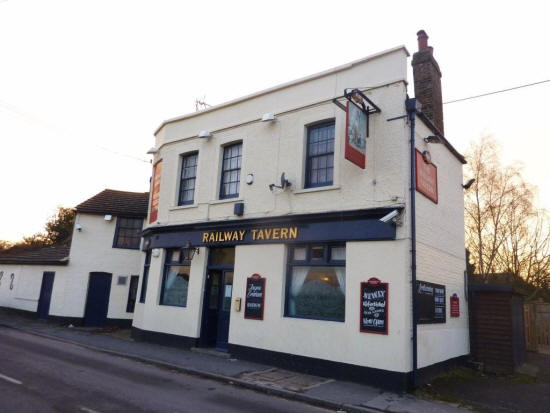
x=152 y=151
x=268 y=117
x=108 y=217
x=433 y=139
x=189 y=251
x=205 y=134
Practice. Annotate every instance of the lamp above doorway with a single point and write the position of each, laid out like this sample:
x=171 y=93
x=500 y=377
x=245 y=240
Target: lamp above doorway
x=189 y=251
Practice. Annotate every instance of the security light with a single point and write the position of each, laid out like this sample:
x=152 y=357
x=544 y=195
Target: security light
x=205 y=134
x=433 y=139
x=152 y=151
x=268 y=117
x=108 y=217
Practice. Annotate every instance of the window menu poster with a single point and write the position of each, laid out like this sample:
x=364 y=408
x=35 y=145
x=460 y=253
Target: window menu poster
x=255 y=297
x=431 y=300
x=374 y=307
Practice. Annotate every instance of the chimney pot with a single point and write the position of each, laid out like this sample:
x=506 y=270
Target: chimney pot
x=422 y=40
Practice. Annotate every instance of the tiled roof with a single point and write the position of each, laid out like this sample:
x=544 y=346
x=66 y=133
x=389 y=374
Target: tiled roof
x=121 y=203
x=55 y=255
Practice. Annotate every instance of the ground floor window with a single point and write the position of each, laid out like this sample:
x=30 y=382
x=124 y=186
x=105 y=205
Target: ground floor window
x=316 y=282
x=175 y=281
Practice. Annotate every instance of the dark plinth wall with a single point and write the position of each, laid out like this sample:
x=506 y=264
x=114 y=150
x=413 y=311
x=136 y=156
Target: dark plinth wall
x=497 y=331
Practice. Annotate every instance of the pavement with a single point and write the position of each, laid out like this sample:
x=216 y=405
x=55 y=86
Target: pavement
x=317 y=391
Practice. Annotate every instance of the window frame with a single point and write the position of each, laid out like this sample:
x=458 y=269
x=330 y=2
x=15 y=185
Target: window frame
x=309 y=157
x=325 y=262
x=183 y=157
x=145 y=279
x=223 y=172
x=129 y=307
x=117 y=232
x=166 y=265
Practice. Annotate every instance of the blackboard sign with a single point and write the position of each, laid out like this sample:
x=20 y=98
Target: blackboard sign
x=431 y=300
x=255 y=297
x=374 y=307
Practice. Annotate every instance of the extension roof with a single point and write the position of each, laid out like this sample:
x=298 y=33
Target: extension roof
x=54 y=255
x=118 y=203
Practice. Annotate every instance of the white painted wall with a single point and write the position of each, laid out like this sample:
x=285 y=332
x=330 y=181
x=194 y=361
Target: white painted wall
x=441 y=254
x=270 y=148
x=91 y=251
x=183 y=321
x=327 y=340
x=26 y=284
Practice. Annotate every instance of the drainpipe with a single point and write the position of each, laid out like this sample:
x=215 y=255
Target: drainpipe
x=413 y=106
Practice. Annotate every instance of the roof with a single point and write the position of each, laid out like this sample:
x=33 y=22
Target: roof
x=119 y=203
x=54 y=255
x=285 y=85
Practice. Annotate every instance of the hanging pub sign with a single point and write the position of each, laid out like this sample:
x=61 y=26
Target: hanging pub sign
x=155 y=190
x=426 y=176
x=356 y=134
x=431 y=303
x=455 y=305
x=374 y=307
x=255 y=297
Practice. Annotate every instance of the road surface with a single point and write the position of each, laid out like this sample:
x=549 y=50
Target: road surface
x=43 y=375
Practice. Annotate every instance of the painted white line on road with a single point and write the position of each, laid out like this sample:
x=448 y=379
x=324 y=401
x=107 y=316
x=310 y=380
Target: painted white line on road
x=10 y=379
x=85 y=409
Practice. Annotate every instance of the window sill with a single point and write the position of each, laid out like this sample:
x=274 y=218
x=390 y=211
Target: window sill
x=296 y=317
x=173 y=305
x=178 y=207
x=317 y=189
x=225 y=201
x=125 y=248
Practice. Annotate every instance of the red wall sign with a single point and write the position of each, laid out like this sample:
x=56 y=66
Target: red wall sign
x=356 y=135
x=426 y=177
x=157 y=170
x=455 y=306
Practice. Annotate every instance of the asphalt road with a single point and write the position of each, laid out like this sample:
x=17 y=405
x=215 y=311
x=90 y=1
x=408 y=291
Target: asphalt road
x=43 y=375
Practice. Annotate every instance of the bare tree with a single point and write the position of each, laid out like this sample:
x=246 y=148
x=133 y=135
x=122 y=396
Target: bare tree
x=505 y=232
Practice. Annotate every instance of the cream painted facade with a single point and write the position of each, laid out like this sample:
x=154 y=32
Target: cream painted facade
x=268 y=150
x=91 y=251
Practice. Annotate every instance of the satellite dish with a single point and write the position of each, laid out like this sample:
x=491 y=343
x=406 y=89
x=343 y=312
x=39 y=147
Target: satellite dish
x=284 y=182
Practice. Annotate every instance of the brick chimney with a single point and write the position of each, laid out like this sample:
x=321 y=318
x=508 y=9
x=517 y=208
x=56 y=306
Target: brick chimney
x=427 y=81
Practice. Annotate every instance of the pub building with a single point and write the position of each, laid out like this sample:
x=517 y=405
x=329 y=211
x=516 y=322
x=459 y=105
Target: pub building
x=280 y=230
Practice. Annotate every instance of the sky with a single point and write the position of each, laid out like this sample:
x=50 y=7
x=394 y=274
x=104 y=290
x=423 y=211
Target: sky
x=84 y=84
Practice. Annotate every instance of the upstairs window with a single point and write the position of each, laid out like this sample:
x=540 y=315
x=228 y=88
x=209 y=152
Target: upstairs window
x=320 y=155
x=128 y=232
x=316 y=282
x=188 y=178
x=231 y=171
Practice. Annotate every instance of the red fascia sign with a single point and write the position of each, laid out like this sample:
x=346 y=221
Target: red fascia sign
x=155 y=190
x=356 y=135
x=426 y=177
x=455 y=306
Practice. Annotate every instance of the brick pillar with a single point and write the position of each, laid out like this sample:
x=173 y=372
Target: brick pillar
x=427 y=81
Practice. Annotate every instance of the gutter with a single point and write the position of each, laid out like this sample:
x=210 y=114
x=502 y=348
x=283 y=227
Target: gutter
x=411 y=107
